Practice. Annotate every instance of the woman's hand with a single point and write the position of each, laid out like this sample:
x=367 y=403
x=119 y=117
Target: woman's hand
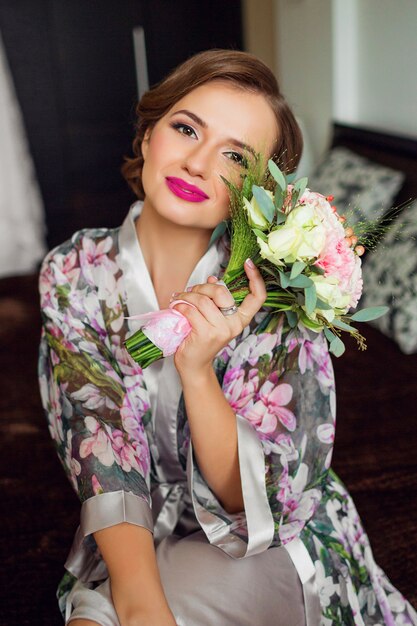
x=211 y=330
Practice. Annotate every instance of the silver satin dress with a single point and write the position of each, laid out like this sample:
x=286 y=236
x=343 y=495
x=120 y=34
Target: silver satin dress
x=204 y=584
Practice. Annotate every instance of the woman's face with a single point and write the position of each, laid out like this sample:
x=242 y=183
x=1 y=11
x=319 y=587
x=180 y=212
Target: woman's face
x=211 y=132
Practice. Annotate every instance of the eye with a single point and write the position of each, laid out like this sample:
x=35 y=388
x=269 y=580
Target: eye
x=184 y=129
x=238 y=158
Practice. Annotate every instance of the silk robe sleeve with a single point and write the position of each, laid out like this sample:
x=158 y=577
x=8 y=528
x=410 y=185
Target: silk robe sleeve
x=91 y=393
x=281 y=387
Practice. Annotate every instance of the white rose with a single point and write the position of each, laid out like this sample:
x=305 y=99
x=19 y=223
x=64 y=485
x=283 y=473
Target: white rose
x=312 y=232
x=255 y=216
x=328 y=290
x=279 y=245
x=267 y=253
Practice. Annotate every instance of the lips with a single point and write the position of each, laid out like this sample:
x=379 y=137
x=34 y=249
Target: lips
x=184 y=190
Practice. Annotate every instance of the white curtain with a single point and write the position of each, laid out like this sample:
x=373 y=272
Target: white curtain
x=22 y=228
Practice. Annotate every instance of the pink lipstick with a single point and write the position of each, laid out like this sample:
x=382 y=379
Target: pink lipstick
x=184 y=190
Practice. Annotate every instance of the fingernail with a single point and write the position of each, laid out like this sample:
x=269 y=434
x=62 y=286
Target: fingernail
x=250 y=263
x=174 y=295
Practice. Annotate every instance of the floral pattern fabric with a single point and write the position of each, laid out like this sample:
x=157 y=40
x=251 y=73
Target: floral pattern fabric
x=278 y=379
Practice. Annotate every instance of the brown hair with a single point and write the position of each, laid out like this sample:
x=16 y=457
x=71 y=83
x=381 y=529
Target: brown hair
x=243 y=70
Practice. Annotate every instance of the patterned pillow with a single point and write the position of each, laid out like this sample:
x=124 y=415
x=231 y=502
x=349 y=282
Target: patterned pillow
x=356 y=182
x=390 y=277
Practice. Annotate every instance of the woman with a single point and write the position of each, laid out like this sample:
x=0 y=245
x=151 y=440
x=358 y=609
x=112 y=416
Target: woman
x=249 y=525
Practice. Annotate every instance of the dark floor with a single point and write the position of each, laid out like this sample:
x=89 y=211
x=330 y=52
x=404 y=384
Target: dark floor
x=375 y=455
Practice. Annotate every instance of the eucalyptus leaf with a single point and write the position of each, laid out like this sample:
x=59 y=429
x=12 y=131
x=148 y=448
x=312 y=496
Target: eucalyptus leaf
x=284 y=279
x=311 y=298
x=280 y=218
x=279 y=196
x=370 y=313
x=297 y=268
x=260 y=234
x=292 y=318
x=301 y=281
x=294 y=198
x=265 y=203
x=218 y=232
x=300 y=186
x=323 y=306
x=329 y=334
x=337 y=347
x=343 y=326
x=315 y=269
x=277 y=175
x=290 y=177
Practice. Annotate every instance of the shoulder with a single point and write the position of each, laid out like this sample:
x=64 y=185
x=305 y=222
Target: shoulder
x=87 y=247
x=94 y=240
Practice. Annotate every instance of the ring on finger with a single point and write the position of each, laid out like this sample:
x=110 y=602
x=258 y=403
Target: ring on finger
x=228 y=310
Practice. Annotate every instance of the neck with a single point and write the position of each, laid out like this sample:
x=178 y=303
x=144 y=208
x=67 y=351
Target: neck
x=171 y=251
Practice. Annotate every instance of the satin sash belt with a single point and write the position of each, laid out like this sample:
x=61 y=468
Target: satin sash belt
x=306 y=571
x=168 y=504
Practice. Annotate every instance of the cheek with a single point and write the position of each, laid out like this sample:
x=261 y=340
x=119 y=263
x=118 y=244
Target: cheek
x=158 y=149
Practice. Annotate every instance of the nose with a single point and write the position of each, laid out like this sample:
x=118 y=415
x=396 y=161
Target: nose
x=198 y=161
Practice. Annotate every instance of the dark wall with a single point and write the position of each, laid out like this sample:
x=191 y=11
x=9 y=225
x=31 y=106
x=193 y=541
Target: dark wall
x=73 y=68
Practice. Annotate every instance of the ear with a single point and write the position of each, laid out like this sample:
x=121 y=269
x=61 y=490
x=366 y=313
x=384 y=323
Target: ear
x=145 y=142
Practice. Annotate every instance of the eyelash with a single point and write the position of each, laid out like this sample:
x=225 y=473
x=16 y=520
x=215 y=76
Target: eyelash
x=236 y=157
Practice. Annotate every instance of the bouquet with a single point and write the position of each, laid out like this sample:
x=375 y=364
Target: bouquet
x=307 y=254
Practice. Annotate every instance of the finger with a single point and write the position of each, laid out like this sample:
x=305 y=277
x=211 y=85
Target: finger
x=205 y=306
x=257 y=293
x=219 y=293
x=197 y=320
x=213 y=334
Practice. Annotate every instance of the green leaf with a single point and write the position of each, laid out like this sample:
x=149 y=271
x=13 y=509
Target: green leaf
x=300 y=186
x=279 y=197
x=337 y=347
x=247 y=187
x=290 y=177
x=284 y=279
x=281 y=217
x=329 y=334
x=265 y=203
x=292 y=318
x=370 y=313
x=308 y=323
x=311 y=298
x=301 y=281
x=323 y=306
x=218 y=232
x=294 y=198
x=315 y=269
x=260 y=234
x=297 y=268
x=277 y=174
x=343 y=326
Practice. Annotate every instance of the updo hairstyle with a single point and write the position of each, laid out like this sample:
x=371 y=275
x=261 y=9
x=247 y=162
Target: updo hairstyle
x=243 y=70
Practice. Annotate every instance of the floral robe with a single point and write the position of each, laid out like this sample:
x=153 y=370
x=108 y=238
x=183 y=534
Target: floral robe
x=100 y=407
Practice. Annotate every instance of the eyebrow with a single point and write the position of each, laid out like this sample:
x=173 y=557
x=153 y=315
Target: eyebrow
x=203 y=124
